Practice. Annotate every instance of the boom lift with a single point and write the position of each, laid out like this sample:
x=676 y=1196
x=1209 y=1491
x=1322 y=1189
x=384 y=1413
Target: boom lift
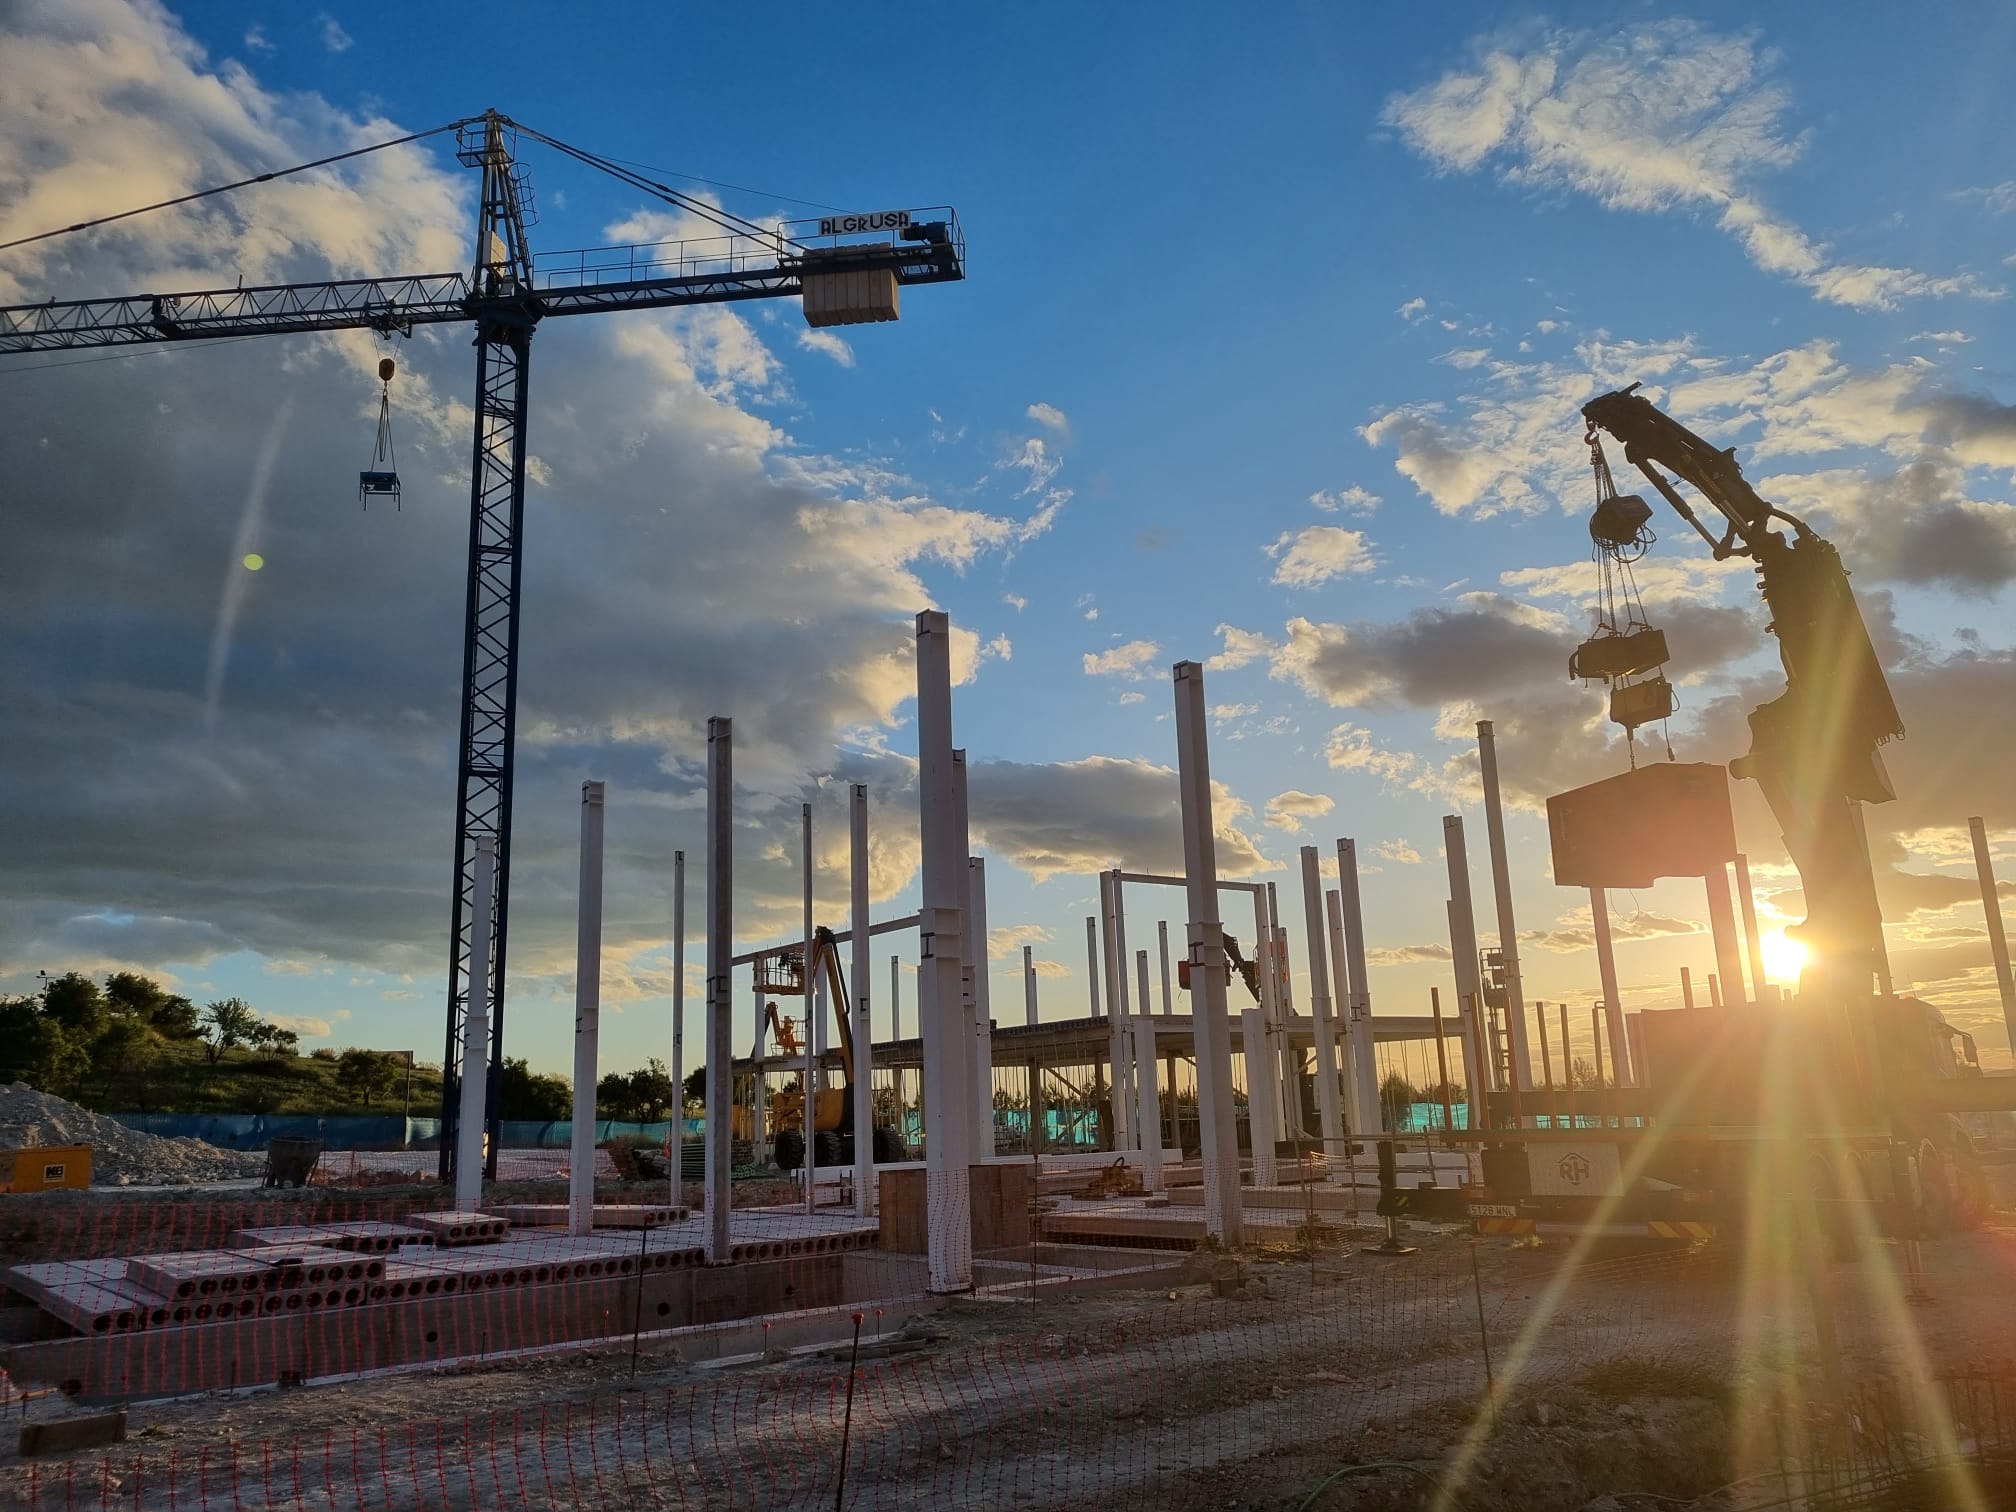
x=832 y=1107
x=846 y=269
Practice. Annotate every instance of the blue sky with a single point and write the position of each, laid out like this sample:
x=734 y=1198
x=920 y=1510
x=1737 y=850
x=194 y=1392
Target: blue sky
x=1277 y=324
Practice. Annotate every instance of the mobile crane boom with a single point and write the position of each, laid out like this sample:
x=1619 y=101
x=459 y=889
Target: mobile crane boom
x=1814 y=748
x=503 y=295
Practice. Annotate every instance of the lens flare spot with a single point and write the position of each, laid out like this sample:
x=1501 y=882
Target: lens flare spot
x=1783 y=957
x=254 y=561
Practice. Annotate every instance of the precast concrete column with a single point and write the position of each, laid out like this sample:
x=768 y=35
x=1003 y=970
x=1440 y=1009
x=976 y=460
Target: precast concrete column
x=1463 y=955
x=720 y=1110
x=678 y=1021
x=1991 y=908
x=1501 y=885
x=1259 y=1097
x=1148 y=1113
x=1329 y=1110
x=808 y=977
x=862 y=1071
x=1029 y=985
x=1217 y=1131
x=1281 y=1051
x=1746 y=902
x=1162 y=939
x=759 y=1091
x=895 y=998
x=469 y=1128
x=983 y=1008
x=1355 y=1116
x=1613 y=1007
x=1722 y=930
x=1123 y=1013
x=948 y=1080
x=1122 y=1129
x=1092 y=965
x=587 y=1016
x=1364 y=1055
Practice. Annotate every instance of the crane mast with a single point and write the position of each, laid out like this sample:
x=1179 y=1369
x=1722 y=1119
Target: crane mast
x=1813 y=749
x=504 y=298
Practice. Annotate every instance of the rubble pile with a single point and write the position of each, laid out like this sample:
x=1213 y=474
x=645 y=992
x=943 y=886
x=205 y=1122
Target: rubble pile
x=119 y=1156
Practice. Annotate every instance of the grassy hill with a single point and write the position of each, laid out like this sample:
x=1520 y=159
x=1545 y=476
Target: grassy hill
x=178 y=1078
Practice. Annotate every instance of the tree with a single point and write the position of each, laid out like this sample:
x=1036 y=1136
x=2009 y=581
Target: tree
x=231 y=1022
x=651 y=1091
x=272 y=1040
x=168 y=1014
x=365 y=1074
x=696 y=1086
x=74 y=1001
x=124 y=1048
x=36 y=1049
x=537 y=1097
x=614 y=1097
x=1397 y=1097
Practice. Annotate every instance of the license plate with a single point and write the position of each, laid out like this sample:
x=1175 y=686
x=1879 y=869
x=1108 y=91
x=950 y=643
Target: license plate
x=1491 y=1210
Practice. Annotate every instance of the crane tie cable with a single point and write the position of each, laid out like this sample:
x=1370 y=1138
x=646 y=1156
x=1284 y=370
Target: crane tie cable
x=262 y=178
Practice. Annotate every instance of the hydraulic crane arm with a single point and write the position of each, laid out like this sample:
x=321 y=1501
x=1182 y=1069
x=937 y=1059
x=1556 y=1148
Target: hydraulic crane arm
x=1813 y=749
x=399 y=304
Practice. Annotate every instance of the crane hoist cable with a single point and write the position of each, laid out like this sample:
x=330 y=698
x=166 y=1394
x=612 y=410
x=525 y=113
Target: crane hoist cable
x=381 y=478
x=260 y=178
x=1624 y=650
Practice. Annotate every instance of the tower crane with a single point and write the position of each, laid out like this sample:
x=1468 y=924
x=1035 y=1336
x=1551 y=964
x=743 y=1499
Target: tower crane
x=848 y=269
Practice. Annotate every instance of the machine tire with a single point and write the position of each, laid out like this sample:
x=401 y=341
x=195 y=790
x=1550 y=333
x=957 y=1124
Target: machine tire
x=888 y=1147
x=789 y=1148
x=830 y=1148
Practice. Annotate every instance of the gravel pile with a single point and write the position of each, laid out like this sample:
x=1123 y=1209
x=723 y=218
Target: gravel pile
x=119 y=1156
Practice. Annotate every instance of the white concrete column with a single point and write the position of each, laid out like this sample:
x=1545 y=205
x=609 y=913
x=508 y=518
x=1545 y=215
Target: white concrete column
x=1355 y=1117
x=587 y=1015
x=862 y=1071
x=815 y=1011
x=1092 y=966
x=983 y=1008
x=948 y=1082
x=1260 y=1116
x=1364 y=1055
x=1162 y=939
x=1463 y=956
x=1722 y=930
x=1329 y=1108
x=720 y=1115
x=895 y=998
x=1991 y=908
x=469 y=1128
x=1117 y=1017
x=1501 y=884
x=1029 y=985
x=1613 y=1007
x=678 y=1020
x=1746 y=902
x=1287 y=1104
x=1123 y=1016
x=1148 y=1107
x=760 y=1143
x=808 y=976
x=1217 y=1131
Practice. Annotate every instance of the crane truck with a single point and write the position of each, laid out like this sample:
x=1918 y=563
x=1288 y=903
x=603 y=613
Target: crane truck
x=1844 y=1095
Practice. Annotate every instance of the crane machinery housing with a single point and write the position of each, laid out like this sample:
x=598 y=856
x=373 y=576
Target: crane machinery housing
x=847 y=270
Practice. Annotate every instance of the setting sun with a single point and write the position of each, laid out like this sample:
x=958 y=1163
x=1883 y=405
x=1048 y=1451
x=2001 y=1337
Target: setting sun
x=1783 y=957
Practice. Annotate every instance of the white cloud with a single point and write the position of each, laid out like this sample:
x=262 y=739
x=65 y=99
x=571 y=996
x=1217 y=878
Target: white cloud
x=1415 y=309
x=1007 y=940
x=1354 y=498
x=1240 y=647
x=1465 y=357
x=334 y=38
x=1351 y=748
x=1128 y=660
x=1015 y=601
x=1944 y=338
x=1034 y=458
x=1050 y=418
x=1315 y=554
x=1225 y=711
x=1133 y=698
x=1000 y=647
x=1397 y=851
x=1660 y=117
x=255 y=39
x=1286 y=811
x=1996 y=199
x=828 y=344
x=307 y=1025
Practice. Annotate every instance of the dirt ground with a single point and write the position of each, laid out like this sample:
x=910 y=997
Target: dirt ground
x=1265 y=1382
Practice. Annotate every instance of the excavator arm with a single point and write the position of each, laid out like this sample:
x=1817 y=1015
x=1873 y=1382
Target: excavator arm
x=1813 y=749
